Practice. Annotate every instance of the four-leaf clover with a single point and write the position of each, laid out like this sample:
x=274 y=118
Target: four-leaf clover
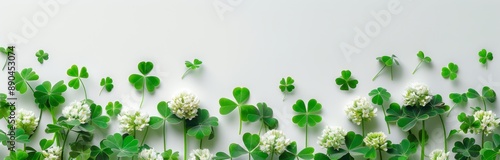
x=307 y=116
x=286 y=85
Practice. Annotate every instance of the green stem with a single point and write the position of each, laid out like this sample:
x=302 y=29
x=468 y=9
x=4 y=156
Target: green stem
x=142 y=99
x=144 y=137
x=363 y=126
x=185 y=73
x=380 y=153
x=39 y=119
x=422 y=145
x=482 y=139
x=102 y=89
x=378 y=73
x=306 y=136
x=201 y=143
x=387 y=123
x=484 y=103
x=241 y=122
x=185 y=140
x=272 y=154
x=444 y=133
x=392 y=78
x=64 y=142
x=54 y=121
x=84 y=89
x=261 y=126
x=6 y=60
x=451 y=110
x=417 y=67
x=164 y=138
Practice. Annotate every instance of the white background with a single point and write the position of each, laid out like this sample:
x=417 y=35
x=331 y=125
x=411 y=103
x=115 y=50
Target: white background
x=253 y=44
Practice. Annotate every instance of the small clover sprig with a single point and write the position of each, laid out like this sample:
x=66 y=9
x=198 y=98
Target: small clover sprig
x=485 y=56
x=286 y=85
x=265 y=116
x=458 y=99
x=450 y=72
x=380 y=95
x=157 y=122
x=78 y=76
x=488 y=94
x=106 y=83
x=387 y=61
x=191 y=66
x=241 y=95
x=144 y=81
x=345 y=81
x=113 y=109
x=251 y=142
x=42 y=56
x=422 y=58
x=6 y=51
x=307 y=116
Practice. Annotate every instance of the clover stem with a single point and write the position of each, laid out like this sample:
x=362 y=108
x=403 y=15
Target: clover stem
x=380 y=153
x=142 y=99
x=272 y=154
x=64 y=142
x=54 y=121
x=482 y=139
x=164 y=137
x=422 y=145
x=24 y=146
x=484 y=103
x=144 y=137
x=417 y=67
x=451 y=110
x=39 y=119
x=241 y=121
x=84 y=89
x=392 y=77
x=5 y=64
x=185 y=73
x=32 y=90
x=444 y=133
x=363 y=126
x=261 y=126
x=185 y=140
x=102 y=89
x=378 y=73
x=387 y=123
x=306 y=136
x=201 y=143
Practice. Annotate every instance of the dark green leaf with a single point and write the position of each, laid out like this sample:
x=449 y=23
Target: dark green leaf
x=50 y=96
x=41 y=56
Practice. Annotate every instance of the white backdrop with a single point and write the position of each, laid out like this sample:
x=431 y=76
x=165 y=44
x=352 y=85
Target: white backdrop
x=254 y=43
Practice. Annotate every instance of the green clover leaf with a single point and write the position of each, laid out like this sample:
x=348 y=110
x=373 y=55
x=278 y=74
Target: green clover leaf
x=487 y=94
x=485 y=56
x=241 y=95
x=202 y=125
x=450 y=71
x=468 y=122
x=19 y=154
x=4 y=106
x=466 y=149
x=379 y=95
x=166 y=115
x=113 y=109
x=6 y=51
x=126 y=146
x=286 y=85
x=97 y=118
x=307 y=116
x=48 y=96
x=387 y=61
x=345 y=81
x=402 y=150
x=142 y=81
x=421 y=56
x=106 y=83
x=78 y=75
x=21 y=79
x=100 y=152
x=170 y=155
x=265 y=115
x=191 y=66
x=291 y=153
x=41 y=56
x=251 y=142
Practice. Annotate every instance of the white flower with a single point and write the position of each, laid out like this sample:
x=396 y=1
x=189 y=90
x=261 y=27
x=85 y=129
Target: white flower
x=360 y=109
x=26 y=120
x=488 y=122
x=378 y=140
x=332 y=137
x=438 y=155
x=77 y=111
x=274 y=141
x=132 y=119
x=149 y=154
x=52 y=153
x=185 y=105
x=417 y=94
x=200 y=154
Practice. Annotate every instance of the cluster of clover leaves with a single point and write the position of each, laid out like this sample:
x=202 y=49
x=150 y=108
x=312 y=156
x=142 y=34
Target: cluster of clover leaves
x=49 y=96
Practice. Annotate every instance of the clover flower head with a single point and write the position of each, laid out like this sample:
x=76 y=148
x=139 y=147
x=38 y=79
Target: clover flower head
x=360 y=109
x=332 y=137
x=52 y=153
x=438 y=154
x=149 y=154
x=488 y=121
x=274 y=141
x=417 y=94
x=27 y=121
x=185 y=105
x=200 y=154
x=131 y=119
x=77 y=111
x=378 y=140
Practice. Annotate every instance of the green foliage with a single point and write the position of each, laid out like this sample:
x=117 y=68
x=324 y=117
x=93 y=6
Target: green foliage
x=487 y=94
x=142 y=81
x=466 y=149
x=19 y=137
x=4 y=106
x=41 y=56
x=191 y=66
x=202 y=125
x=421 y=56
x=241 y=95
x=106 y=83
x=251 y=142
x=458 y=98
x=170 y=155
x=491 y=149
x=19 y=154
x=21 y=79
x=78 y=75
x=468 y=122
x=387 y=61
x=286 y=85
x=485 y=56
x=450 y=72
x=379 y=95
x=345 y=81
x=265 y=115
x=97 y=118
x=48 y=96
x=156 y=122
x=402 y=150
x=307 y=116
x=6 y=51
x=100 y=152
x=123 y=146
x=113 y=109
x=353 y=147
x=291 y=153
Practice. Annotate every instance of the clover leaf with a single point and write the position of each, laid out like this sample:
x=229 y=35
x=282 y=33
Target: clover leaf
x=6 y=51
x=450 y=71
x=387 y=61
x=170 y=155
x=191 y=66
x=466 y=149
x=143 y=81
x=457 y=98
x=469 y=123
x=4 y=106
x=166 y=115
x=19 y=136
x=202 y=125
x=487 y=94
x=251 y=142
x=307 y=116
x=19 y=154
x=21 y=79
x=286 y=85
x=41 y=56
x=48 y=96
x=241 y=95
x=353 y=147
x=490 y=149
x=291 y=152
x=345 y=81
x=379 y=95
x=485 y=56
x=123 y=146
x=106 y=83
x=100 y=152
x=78 y=75
x=402 y=150
x=265 y=115
x=421 y=56
x=113 y=109
x=97 y=118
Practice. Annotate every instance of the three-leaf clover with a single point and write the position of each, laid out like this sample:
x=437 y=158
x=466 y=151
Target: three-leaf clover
x=78 y=75
x=307 y=116
x=457 y=98
x=166 y=115
x=291 y=153
x=97 y=118
x=191 y=66
x=466 y=149
x=345 y=81
x=450 y=71
x=241 y=95
x=6 y=51
x=353 y=147
x=100 y=152
x=387 y=61
x=251 y=142
x=402 y=150
x=21 y=79
x=202 y=125
x=48 y=96
x=123 y=146
x=106 y=83
x=113 y=109
x=380 y=95
x=484 y=56
x=422 y=58
x=286 y=85
x=41 y=56
x=265 y=115
x=488 y=94
x=144 y=81
x=469 y=123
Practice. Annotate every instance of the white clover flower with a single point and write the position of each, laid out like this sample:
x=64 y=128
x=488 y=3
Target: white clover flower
x=77 y=111
x=438 y=155
x=200 y=154
x=26 y=120
x=488 y=122
x=132 y=119
x=185 y=105
x=332 y=137
x=360 y=109
x=417 y=94
x=378 y=140
x=52 y=153
x=274 y=141
x=149 y=154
